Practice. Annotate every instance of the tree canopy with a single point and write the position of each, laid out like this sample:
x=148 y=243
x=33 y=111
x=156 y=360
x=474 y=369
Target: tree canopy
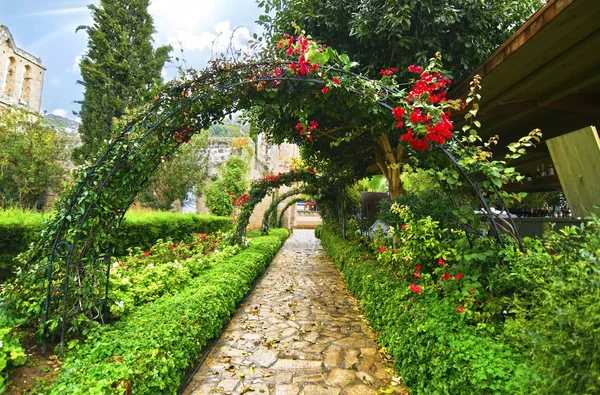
x=380 y=34
x=118 y=69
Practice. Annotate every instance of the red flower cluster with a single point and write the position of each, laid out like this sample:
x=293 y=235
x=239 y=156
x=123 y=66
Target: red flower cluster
x=385 y=72
x=312 y=125
x=241 y=200
x=416 y=143
x=415 y=69
x=434 y=85
x=446 y=276
x=416 y=288
x=441 y=262
x=382 y=249
x=460 y=309
x=441 y=130
x=457 y=276
x=184 y=135
x=298 y=47
x=336 y=80
x=403 y=227
x=325 y=90
x=417 y=117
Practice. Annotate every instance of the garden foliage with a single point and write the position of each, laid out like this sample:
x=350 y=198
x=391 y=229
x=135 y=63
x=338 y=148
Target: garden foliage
x=469 y=316
x=150 y=348
x=11 y=353
x=18 y=229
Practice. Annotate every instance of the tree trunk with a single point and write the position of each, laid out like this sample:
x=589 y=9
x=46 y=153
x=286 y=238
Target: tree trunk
x=390 y=161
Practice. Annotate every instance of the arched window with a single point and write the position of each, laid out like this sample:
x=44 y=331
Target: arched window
x=10 y=76
x=26 y=90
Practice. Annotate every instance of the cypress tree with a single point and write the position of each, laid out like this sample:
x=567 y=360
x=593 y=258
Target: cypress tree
x=117 y=70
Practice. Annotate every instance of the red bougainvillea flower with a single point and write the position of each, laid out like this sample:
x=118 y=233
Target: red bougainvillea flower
x=147 y=253
x=398 y=112
x=459 y=275
x=416 y=288
x=312 y=126
x=446 y=276
x=336 y=80
x=310 y=138
x=325 y=90
x=418 y=267
x=382 y=249
x=441 y=262
x=415 y=69
x=399 y=124
x=460 y=309
x=299 y=126
x=417 y=274
x=385 y=72
x=172 y=247
x=403 y=227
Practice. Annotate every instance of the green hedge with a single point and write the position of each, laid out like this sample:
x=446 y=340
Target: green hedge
x=434 y=351
x=150 y=350
x=18 y=229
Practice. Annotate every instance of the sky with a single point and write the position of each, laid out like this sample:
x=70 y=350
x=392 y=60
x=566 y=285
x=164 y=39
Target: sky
x=46 y=29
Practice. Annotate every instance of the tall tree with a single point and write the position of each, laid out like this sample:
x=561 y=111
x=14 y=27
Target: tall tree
x=118 y=69
x=395 y=33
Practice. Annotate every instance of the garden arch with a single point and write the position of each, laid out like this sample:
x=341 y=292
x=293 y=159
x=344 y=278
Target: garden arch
x=289 y=203
x=72 y=259
x=271 y=211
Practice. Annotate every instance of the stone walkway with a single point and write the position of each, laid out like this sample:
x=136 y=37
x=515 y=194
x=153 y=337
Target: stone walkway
x=299 y=332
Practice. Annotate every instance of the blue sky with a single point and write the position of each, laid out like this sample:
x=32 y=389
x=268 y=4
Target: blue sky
x=46 y=29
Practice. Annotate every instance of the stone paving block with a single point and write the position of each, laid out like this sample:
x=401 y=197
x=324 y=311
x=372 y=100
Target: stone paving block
x=351 y=358
x=341 y=377
x=333 y=356
x=264 y=358
x=295 y=364
x=319 y=390
x=287 y=389
x=228 y=385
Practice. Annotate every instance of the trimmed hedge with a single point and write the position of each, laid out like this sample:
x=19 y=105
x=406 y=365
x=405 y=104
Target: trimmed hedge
x=150 y=350
x=434 y=351
x=18 y=229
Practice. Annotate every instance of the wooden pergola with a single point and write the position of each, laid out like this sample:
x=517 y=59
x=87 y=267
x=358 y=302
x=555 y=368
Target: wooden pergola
x=547 y=76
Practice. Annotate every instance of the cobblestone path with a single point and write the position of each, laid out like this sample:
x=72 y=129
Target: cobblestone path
x=299 y=332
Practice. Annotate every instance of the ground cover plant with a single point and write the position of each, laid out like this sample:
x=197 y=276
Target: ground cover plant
x=150 y=348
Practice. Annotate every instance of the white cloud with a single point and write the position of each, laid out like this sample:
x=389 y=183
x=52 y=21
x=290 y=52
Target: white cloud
x=61 y=11
x=181 y=14
x=60 y=112
x=217 y=41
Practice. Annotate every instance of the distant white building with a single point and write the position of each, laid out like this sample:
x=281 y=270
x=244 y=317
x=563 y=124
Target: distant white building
x=21 y=75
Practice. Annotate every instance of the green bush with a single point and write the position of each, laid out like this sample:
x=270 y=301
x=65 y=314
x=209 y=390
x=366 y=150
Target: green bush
x=150 y=349
x=11 y=353
x=556 y=309
x=434 y=350
x=18 y=229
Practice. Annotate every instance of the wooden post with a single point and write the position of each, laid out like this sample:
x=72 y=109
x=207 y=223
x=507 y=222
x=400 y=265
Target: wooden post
x=576 y=158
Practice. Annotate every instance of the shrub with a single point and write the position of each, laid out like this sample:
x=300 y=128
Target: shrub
x=11 y=353
x=434 y=350
x=18 y=229
x=149 y=350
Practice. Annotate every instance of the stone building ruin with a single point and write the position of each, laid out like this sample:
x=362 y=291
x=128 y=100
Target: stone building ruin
x=21 y=75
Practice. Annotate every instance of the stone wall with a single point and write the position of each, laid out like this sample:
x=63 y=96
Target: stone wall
x=21 y=75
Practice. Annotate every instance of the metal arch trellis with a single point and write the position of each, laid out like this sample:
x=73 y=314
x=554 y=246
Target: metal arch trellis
x=287 y=205
x=72 y=244
x=272 y=209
